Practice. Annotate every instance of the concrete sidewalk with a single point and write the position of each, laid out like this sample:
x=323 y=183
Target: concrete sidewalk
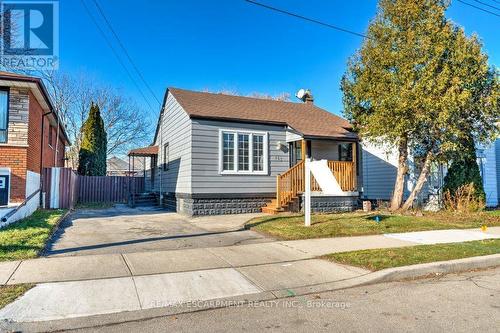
x=58 y=269
x=73 y=299
x=115 y=283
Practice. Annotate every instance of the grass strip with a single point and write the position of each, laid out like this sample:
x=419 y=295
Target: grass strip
x=25 y=238
x=378 y=259
x=290 y=227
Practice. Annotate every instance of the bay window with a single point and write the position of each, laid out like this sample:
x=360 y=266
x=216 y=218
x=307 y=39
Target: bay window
x=243 y=152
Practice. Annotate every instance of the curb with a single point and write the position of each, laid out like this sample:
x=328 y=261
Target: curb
x=436 y=268
x=402 y=273
x=383 y=276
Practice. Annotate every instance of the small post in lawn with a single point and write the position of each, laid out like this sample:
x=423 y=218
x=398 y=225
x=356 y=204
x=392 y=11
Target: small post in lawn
x=307 y=199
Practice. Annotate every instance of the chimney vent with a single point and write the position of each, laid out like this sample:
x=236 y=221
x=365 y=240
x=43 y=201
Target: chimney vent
x=305 y=96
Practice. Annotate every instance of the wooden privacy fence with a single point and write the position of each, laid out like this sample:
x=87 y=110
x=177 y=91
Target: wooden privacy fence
x=63 y=188
x=59 y=188
x=108 y=188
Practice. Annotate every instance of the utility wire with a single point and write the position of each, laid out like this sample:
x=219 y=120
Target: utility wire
x=108 y=23
x=116 y=54
x=479 y=8
x=485 y=4
x=307 y=19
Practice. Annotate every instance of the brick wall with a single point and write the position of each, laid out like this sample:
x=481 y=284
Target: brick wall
x=15 y=159
x=23 y=150
x=13 y=154
x=35 y=137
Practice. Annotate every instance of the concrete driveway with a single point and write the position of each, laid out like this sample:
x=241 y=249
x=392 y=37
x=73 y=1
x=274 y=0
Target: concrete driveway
x=123 y=230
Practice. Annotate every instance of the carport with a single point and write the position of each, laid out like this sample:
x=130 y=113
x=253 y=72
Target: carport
x=150 y=152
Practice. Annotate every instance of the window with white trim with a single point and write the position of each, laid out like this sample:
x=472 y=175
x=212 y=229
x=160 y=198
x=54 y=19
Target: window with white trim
x=243 y=152
x=4 y=115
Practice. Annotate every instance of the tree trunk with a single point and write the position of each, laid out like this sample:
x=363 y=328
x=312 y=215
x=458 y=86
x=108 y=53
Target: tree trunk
x=397 y=196
x=420 y=182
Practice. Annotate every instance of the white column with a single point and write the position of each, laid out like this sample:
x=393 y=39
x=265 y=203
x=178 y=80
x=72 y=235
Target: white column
x=54 y=188
x=307 y=201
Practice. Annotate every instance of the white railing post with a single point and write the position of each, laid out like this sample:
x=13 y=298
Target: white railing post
x=278 y=192
x=307 y=201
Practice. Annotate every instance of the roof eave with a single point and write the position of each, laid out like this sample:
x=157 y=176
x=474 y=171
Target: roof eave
x=238 y=120
x=45 y=94
x=332 y=137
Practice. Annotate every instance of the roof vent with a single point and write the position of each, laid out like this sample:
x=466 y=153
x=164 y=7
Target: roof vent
x=305 y=96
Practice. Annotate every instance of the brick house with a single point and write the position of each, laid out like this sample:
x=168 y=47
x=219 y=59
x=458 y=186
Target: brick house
x=31 y=138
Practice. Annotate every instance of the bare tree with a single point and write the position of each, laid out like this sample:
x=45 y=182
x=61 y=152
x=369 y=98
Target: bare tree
x=126 y=123
x=9 y=27
x=284 y=96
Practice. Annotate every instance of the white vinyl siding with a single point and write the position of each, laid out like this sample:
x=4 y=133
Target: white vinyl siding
x=488 y=161
x=175 y=134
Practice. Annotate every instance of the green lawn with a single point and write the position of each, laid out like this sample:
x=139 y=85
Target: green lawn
x=27 y=237
x=9 y=294
x=290 y=227
x=493 y=212
x=403 y=256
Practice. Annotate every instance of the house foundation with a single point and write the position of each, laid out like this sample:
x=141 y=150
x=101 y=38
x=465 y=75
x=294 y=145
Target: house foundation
x=199 y=205
x=331 y=204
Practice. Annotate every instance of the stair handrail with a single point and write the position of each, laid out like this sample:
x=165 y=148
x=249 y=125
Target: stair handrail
x=289 y=184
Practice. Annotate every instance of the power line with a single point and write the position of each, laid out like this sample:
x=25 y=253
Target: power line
x=125 y=50
x=479 y=8
x=307 y=19
x=116 y=53
x=485 y=4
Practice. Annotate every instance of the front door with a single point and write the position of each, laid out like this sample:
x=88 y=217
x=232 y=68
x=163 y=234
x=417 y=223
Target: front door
x=4 y=190
x=295 y=151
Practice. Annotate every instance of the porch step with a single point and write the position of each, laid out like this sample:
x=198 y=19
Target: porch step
x=144 y=199
x=273 y=210
x=272 y=207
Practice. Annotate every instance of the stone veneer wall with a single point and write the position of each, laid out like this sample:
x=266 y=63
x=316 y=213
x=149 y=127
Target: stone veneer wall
x=18 y=117
x=331 y=204
x=214 y=206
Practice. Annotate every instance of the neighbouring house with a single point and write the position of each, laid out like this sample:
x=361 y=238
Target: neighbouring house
x=116 y=166
x=380 y=164
x=32 y=137
x=223 y=154
x=380 y=168
x=489 y=164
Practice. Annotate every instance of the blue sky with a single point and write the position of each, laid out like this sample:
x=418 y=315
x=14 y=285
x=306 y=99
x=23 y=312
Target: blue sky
x=233 y=45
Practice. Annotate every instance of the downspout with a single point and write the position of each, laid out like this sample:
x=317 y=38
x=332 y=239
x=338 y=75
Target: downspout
x=41 y=157
x=57 y=143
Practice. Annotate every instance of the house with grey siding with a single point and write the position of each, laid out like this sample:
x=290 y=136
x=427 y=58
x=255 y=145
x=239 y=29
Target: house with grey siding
x=223 y=154
x=489 y=165
x=380 y=164
x=380 y=168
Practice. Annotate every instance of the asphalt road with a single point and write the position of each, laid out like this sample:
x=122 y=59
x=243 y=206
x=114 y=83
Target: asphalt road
x=467 y=302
